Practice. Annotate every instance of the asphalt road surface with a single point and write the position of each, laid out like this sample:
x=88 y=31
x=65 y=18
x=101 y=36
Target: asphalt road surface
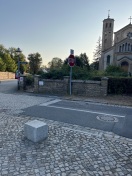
x=8 y=86
x=110 y=118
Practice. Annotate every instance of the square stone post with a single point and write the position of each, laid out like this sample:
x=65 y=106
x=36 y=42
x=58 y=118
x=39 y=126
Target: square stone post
x=104 y=86
x=36 y=83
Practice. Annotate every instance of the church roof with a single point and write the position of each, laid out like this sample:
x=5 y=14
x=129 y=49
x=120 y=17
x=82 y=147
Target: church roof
x=127 y=26
x=124 y=57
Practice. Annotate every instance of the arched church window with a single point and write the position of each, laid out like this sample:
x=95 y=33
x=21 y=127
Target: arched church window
x=108 y=60
x=125 y=46
x=106 y=25
x=119 y=48
x=110 y=25
x=129 y=47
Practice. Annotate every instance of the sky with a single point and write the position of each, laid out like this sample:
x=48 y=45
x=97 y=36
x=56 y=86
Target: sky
x=53 y=27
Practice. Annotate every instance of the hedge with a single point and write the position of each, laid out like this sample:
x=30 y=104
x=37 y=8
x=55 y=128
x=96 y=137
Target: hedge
x=119 y=85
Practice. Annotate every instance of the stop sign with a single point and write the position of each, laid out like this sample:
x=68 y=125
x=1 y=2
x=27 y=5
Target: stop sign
x=71 y=60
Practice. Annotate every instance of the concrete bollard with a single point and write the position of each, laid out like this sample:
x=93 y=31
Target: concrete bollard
x=36 y=130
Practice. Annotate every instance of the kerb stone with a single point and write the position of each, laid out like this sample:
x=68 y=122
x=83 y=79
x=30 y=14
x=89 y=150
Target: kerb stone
x=36 y=130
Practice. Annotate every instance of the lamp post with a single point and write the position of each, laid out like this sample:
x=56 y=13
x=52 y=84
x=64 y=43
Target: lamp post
x=18 y=51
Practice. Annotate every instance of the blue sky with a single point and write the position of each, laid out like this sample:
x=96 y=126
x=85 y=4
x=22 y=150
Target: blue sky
x=53 y=27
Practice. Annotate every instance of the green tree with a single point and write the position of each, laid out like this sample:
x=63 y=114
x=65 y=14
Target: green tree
x=85 y=61
x=10 y=63
x=2 y=65
x=55 y=64
x=78 y=61
x=7 y=62
x=35 y=61
x=22 y=58
x=12 y=52
x=3 y=51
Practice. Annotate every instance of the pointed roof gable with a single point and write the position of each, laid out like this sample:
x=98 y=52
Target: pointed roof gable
x=126 y=27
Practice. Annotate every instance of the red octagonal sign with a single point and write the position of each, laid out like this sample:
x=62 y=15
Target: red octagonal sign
x=71 y=60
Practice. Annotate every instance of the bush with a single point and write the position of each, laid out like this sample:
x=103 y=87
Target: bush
x=54 y=74
x=29 y=80
x=77 y=73
x=116 y=71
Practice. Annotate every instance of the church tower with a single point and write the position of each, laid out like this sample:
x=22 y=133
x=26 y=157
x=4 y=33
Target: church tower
x=107 y=34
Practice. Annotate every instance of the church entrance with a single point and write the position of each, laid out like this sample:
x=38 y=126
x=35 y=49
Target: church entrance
x=124 y=66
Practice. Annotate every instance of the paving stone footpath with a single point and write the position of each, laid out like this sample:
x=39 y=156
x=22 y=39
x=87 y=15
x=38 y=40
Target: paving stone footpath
x=69 y=150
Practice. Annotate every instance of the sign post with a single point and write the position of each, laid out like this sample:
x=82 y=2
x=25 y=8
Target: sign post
x=71 y=62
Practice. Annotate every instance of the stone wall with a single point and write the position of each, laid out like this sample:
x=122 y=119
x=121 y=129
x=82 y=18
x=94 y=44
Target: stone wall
x=79 y=87
x=54 y=87
x=7 y=75
x=87 y=88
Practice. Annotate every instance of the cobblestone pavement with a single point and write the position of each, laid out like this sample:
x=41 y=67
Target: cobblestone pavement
x=69 y=150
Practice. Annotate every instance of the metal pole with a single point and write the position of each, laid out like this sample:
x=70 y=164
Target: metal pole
x=70 y=80
x=18 y=73
x=18 y=51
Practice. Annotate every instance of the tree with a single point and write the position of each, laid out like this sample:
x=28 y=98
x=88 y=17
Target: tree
x=12 y=52
x=14 y=56
x=7 y=63
x=78 y=61
x=10 y=59
x=55 y=64
x=97 y=54
x=35 y=61
x=10 y=63
x=85 y=61
x=3 y=50
x=2 y=65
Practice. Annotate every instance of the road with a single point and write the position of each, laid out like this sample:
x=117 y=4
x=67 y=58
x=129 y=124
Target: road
x=116 y=119
x=8 y=86
x=98 y=116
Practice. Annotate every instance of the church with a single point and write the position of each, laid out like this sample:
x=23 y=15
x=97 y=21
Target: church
x=116 y=46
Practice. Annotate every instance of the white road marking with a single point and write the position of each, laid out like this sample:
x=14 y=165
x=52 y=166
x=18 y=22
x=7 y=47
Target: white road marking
x=80 y=110
x=50 y=102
